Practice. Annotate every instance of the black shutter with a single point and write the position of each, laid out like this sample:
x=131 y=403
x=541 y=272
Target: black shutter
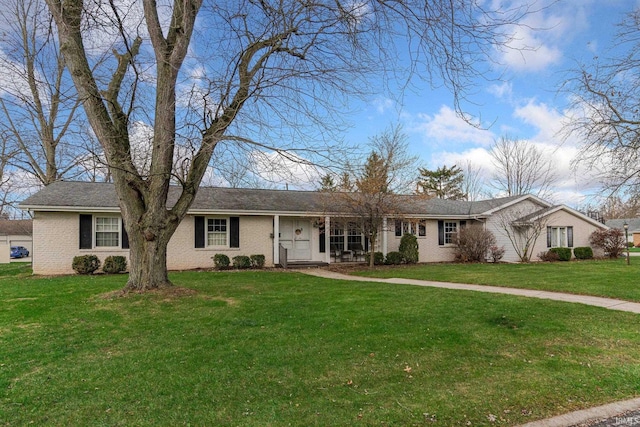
x=199 y=231
x=398 y=228
x=570 y=237
x=125 y=237
x=323 y=241
x=234 y=232
x=86 y=226
x=366 y=244
x=463 y=224
x=441 y=233
x=548 y=237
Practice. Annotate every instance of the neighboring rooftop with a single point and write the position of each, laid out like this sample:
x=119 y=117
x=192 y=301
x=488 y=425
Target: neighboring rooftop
x=634 y=223
x=16 y=227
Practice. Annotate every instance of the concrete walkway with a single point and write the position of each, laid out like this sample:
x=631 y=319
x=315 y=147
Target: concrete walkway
x=610 y=303
x=606 y=415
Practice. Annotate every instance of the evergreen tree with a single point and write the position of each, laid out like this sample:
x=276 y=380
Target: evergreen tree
x=443 y=183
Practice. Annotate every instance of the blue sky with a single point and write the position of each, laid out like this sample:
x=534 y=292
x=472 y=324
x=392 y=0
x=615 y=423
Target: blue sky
x=526 y=104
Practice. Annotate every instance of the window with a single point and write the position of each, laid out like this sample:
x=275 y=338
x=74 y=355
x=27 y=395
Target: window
x=107 y=232
x=450 y=232
x=559 y=237
x=354 y=236
x=418 y=228
x=217 y=232
x=336 y=238
x=422 y=228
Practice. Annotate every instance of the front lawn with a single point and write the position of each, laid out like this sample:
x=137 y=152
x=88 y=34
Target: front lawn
x=605 y=278
x=278 y=348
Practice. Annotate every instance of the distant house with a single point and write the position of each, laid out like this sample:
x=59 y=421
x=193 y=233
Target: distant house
x=633 y=229
x=75 y=218
x=16 y=233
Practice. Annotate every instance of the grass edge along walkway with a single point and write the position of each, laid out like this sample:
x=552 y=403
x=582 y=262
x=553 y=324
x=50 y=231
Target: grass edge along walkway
x=570 y=419
x=608 y=303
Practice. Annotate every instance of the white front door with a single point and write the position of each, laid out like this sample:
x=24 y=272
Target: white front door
x=295 y=235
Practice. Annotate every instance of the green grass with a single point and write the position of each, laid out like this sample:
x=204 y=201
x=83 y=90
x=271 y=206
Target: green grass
x=275 y=348
x=606 y=278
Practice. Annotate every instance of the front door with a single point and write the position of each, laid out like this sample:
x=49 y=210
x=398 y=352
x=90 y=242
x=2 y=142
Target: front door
x=295 y=235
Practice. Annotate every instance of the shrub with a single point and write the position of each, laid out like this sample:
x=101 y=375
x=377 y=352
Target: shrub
x=583 y=252
x=221 y=261
x=630 y=244
x=257 y=261
x=241 y=262
x=378 y=258
x=611 y=241
x=85 y=264
x=409 y=248
x=548 y=256
x=394 y=258
x=564 y=254
x=496 y=253
x=114 y=264
x=473 y=244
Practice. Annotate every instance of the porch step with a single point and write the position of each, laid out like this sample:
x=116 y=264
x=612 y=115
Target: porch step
x=306 y=264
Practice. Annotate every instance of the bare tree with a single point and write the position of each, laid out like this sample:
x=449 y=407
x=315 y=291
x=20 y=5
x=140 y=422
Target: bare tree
x=256 y=72
x=604 y=114
x=386 y=173
x=39 y=105
x=521 y=168
x=473 y=184
x=522 y=226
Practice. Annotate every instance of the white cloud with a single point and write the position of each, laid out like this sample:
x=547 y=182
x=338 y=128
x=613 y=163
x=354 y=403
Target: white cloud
x=501 y=91
x=447 y=126
x=382 y=104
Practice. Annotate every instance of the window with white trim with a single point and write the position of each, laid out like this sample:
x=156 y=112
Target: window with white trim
x=450 y=232
x=559 y=237
x=217 y=232
x=417 y=228
x=336 y=236
x=107 y=232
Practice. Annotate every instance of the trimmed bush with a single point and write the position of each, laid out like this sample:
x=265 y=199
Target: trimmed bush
x=378 y=258
x=394 y=258
x=564 y=254
x=114 y=264
x=85 y=264
x=583 y=252
x=548 y=256
x=409 y=248
x=257 y=261
x=241 y=262
x=221 y=261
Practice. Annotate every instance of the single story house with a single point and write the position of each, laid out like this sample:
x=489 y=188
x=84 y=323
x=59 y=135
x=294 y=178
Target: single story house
x=76 y=218
x=633 y=228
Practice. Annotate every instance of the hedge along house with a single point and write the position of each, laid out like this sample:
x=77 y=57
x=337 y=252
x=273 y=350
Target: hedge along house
x=78 y=218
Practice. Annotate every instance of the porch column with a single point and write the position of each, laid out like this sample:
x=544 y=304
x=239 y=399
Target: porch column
x=276 y=239
x=327 y=239
x=384 y=236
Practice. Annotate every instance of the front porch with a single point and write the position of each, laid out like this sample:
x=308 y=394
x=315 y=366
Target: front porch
x=314 y=241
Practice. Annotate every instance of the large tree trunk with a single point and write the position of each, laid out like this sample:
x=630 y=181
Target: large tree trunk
x=148 y=263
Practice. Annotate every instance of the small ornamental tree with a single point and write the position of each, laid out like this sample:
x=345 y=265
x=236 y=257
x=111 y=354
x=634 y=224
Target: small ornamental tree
x=611 y=241
x=474 y=243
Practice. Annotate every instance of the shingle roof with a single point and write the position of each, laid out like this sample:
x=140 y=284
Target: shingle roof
x=634 y=223
x=16 y=227
x=87 y=195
